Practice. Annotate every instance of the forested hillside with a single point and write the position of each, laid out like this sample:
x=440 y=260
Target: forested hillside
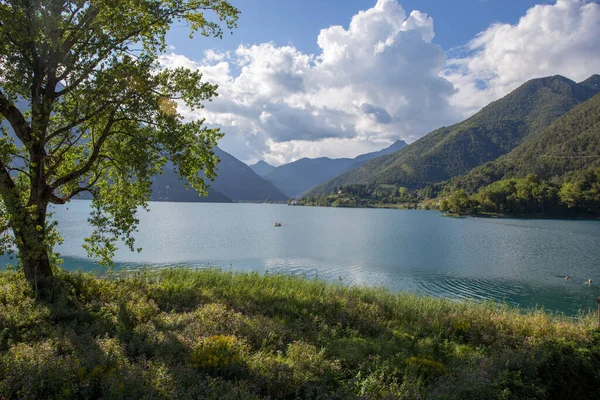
x=168 y=187
x=571 y=143
x=237 y=181
x=495 y=130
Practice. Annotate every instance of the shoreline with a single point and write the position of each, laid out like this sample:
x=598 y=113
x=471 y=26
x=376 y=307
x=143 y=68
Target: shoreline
x=521 y=217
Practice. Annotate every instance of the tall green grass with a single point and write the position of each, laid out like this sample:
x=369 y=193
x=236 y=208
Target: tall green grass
x=182 y=333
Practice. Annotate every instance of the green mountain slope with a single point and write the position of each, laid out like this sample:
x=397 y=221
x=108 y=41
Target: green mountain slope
x=592 y=82
x=492 y=132
x=569 y=144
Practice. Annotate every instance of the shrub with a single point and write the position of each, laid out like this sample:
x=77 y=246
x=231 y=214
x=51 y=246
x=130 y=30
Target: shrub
x=219 y=355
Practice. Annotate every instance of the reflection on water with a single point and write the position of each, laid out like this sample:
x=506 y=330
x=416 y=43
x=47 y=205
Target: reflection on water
x=517 y=261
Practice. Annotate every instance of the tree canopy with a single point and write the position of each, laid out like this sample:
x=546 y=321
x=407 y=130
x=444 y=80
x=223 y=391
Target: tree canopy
x=100 y=115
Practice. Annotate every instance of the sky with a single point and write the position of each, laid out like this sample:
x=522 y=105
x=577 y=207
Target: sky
x=339 y=78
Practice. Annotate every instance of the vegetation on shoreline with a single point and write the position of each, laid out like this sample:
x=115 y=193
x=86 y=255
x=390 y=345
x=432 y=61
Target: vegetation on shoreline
x=183 y=333
x=577 y=196
x=373 y=196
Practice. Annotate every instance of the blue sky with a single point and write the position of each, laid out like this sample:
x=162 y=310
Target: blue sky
x=299 y=21
x=312 y=78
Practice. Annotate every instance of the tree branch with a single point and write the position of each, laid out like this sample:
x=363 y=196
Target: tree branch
x=54 y=199
x=10 y=169
x=16 y=119
x=90 y=162
x=72 y=125
x=8 y=191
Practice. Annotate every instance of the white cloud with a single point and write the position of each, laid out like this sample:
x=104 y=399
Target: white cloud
x=213 y=55
x=562 y=38
x=382 y=78
x=281 y=152
x=375 y=81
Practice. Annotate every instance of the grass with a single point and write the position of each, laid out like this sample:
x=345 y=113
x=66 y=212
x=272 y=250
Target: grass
x=210 y=334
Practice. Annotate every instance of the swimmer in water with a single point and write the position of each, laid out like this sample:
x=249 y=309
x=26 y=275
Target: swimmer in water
x=589 y=282
x=567 y=278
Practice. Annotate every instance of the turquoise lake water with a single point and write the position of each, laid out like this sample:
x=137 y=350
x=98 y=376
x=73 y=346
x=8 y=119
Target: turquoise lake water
x=522 y=262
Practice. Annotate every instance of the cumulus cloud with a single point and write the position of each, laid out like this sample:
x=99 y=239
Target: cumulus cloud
x=375 y=81
x=383 y=78
x=562 y=38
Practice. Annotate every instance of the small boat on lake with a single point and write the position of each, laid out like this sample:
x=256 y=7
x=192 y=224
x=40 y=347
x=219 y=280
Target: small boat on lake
x=277 y=224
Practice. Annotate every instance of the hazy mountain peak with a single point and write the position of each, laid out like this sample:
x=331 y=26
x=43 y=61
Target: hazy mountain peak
x=235 y=181
x=262 y=168
x=296 y=177
x=398 y=144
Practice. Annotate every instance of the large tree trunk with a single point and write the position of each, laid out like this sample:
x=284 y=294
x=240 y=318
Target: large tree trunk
x=38 y=270
x=33 y=248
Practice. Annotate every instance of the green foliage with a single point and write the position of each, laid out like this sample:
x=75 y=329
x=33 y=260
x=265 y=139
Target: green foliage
x=219 y=354
x=444 y=206
x=577 y=196
x=459 y=202
x=210 y=334
x=359 y=195
x=97 y=113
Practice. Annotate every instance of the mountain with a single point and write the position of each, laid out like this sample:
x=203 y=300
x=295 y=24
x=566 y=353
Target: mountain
x=168 y=187
x=363 y=158
x=235 y=181
x=262 y=168
x=297 y=177
x=569 y=144
x=592 y=82
x=493 y=131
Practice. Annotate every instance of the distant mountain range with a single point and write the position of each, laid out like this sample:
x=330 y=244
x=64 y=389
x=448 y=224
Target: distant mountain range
x=495 y=130
x=295 y=178
x=235 y=181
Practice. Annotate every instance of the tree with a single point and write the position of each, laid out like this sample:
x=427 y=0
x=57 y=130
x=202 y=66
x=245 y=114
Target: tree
x=444 y=206
x=571 y=195
x=459 y=202
x=101 y=115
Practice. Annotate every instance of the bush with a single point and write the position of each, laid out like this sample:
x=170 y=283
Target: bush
x=220 y=354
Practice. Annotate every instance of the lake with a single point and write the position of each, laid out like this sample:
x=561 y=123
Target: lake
x=522 y=261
